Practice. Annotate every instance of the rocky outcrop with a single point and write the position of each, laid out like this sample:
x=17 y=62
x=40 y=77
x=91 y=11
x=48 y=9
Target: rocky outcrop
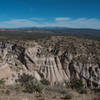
x=59 y=59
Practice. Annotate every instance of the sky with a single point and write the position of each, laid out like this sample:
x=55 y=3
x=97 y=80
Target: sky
x=50 y=13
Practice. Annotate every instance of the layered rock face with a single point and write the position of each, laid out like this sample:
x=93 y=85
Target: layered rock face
x=58 y=59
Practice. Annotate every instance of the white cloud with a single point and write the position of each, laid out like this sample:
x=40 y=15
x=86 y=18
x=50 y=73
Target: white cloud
x=63 y=18
x=58 y=22
x=16 y=23
x=79 y=23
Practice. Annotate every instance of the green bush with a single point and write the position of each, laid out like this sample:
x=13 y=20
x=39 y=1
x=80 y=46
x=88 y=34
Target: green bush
x=45 y=82
x=25 y=79
x=82 y=91
x=64 y=92
x=30 y=84
x=68 y=96
x=33 y=87
x=2 y=82
x=77 y=84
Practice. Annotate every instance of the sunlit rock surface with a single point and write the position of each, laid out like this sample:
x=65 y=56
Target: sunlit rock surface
x=58 y=59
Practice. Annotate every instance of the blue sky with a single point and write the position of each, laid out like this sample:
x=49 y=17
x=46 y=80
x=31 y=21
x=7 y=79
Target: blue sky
x=53 y=13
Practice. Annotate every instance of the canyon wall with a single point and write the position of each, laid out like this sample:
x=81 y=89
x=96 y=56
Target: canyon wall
x=58 y=59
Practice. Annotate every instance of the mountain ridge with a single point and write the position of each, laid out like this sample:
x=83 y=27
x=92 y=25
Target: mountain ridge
x=43 y=32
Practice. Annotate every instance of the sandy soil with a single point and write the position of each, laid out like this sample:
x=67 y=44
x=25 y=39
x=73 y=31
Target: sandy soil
x=48 y=94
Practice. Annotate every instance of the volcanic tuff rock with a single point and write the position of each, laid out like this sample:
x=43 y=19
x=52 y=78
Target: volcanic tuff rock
x=58 y=59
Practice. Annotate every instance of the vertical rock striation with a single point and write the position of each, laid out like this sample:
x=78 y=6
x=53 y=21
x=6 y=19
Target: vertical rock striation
x=59 y=59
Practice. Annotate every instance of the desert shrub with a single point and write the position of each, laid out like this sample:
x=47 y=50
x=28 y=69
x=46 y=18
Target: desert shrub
x=30 y=84
x=2 y=82
x=83 y=91
x=68 y=96
x=38 y=87
x=2 y=87
x=33 y=87
x=25 y=79
x=45 y=82
x=77 y=84
x=64 y=92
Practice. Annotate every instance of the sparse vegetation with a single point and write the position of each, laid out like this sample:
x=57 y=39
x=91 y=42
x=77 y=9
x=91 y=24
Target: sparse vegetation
x=33 y=87
x=45 y=81
x=77 y=84
x=64 y=92
x=30 y=84
x=2 y=82
x=24 y=79
x=68 y=97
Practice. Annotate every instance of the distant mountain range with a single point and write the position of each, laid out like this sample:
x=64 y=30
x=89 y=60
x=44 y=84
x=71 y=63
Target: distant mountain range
x=90 y=33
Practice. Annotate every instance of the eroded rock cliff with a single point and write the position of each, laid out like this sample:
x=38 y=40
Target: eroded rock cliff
x=58 y=59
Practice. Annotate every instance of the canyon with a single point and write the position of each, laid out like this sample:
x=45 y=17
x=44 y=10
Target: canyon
x=58 y=59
